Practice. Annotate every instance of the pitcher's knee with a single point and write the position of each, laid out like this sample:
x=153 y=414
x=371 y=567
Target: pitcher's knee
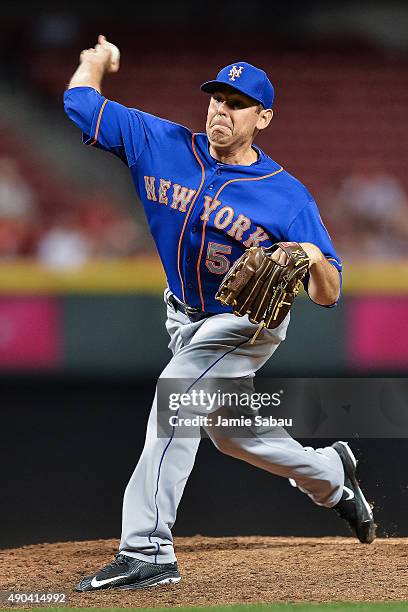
x=227 y=446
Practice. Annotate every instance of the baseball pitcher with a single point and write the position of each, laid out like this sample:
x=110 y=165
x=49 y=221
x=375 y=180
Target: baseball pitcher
x=237 y=235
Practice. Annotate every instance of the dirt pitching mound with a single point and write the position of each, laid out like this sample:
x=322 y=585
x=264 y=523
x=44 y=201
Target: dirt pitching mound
x=218 y=571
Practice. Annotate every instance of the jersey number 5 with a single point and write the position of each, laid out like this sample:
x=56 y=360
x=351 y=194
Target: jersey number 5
x=216 y=261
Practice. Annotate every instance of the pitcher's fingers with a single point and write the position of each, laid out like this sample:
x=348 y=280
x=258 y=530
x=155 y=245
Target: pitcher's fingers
x=280 y=257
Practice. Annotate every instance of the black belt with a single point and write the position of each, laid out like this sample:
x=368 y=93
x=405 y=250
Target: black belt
x=194 y=314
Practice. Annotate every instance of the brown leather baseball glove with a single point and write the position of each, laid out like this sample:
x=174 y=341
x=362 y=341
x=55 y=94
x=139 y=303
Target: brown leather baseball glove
x=263 y=288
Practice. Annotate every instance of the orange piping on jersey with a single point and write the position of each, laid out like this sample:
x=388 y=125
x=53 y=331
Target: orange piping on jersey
x=256 y=178
x=188 y=214
x=98 y=123
x=330 y=259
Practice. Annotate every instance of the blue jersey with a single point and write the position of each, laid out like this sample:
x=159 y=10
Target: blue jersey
x=202 y=213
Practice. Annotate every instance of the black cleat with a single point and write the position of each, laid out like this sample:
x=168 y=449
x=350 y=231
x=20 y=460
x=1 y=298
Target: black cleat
x=129 y=573
x=353 y=506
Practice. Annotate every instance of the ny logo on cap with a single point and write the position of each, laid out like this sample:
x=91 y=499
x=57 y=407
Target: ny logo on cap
x=235 y=72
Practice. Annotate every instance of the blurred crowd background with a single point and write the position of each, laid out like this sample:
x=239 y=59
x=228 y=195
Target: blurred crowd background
x=78 y=268
x=341 y=79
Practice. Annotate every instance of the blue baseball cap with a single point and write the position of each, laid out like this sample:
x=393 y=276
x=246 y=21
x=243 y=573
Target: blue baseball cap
x=245 y=78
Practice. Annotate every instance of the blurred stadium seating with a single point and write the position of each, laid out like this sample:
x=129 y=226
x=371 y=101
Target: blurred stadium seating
x=336 y=108
x=333 y=108
x=340 y=126
x=55 y=207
